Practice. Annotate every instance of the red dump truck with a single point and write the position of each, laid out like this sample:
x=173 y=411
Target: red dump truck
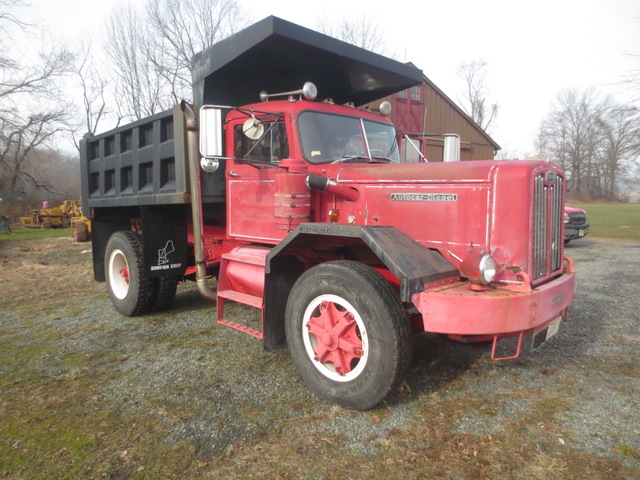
x=297 y=204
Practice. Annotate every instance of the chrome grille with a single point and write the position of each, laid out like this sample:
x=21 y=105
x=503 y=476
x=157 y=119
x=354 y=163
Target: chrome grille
x=548 y=217
x=577 y=218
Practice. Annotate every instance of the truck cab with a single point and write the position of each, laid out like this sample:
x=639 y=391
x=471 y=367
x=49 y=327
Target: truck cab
x=320 y=139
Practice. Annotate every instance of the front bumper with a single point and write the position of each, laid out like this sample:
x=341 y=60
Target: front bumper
x=572 y=232
x=456 y=310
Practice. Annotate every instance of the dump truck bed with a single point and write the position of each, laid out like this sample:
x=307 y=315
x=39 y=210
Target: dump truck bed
x=142 y=163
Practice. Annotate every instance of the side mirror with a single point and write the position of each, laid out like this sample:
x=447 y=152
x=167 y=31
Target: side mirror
x=211 y=132
x=253 y=128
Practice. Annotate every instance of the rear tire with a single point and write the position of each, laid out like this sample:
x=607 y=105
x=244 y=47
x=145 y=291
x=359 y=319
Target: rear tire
x=348 y=335
x=131 y=291
x=166 y=288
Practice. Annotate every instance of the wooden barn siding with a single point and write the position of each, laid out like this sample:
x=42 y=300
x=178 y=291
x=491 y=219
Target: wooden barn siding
x=443 y=117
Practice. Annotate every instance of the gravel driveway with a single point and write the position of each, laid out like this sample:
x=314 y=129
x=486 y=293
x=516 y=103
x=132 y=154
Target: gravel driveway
x=217 y=391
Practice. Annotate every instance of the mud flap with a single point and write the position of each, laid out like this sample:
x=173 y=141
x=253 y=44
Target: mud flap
x=164 y=238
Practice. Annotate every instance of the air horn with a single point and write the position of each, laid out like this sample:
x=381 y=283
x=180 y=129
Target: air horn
x=308 y=91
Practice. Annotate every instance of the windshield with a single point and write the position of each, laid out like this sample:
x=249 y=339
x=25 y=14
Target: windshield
x=327 y=138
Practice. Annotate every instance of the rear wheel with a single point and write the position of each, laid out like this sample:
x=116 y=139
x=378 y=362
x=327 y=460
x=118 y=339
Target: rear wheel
x=166 y=288
x=347 y=333
x=131 y=291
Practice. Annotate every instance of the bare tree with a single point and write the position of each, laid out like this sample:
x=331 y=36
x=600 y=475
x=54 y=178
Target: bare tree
x=20 y=138
x=183 y=28
x=362 y=31
x=593 y=139
x=40 y=78
x=151 y=48
x=571 y=135
x=94 y=90
x=475 y=102
x=139 y=89
x=632 y=81
x=8 y=21
x=620 y=147
x=32 y=108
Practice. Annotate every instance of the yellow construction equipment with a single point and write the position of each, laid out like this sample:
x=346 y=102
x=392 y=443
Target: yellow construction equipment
x=81 y=229
x=56 y=217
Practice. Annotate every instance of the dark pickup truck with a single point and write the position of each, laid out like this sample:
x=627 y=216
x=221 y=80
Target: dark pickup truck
x=575 y=224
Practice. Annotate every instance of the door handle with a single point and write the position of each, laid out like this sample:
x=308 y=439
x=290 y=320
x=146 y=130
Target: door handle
x=234 y=175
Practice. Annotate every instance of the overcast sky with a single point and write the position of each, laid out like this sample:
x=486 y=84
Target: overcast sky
x=533 y=49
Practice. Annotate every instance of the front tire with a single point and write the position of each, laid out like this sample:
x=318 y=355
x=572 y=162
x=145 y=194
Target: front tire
x=131 y=291
x=347 y=333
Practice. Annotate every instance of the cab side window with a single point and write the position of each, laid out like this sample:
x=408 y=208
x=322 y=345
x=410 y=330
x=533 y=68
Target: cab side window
x=271 y=147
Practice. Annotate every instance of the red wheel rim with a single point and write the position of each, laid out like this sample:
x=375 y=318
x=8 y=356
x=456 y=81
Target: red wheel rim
x=335 y=338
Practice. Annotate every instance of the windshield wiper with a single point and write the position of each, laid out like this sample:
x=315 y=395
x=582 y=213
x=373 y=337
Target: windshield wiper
x=348 y=158
x=394 y=145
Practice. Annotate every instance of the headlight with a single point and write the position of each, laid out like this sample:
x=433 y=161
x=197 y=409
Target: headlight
x=479 y=268
x=487 y=269
x=566 y=218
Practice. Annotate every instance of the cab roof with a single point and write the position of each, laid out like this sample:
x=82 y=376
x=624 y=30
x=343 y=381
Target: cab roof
x=277 y=56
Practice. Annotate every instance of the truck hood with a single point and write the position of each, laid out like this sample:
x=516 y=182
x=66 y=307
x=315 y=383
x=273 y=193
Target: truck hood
x=569 y=209
x=476 y=171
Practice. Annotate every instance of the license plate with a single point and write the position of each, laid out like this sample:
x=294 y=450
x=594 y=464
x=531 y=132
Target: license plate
x=553 y=327
x=581 y=233
x=546 y=333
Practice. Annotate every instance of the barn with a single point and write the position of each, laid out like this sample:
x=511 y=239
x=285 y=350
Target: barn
x=428 y=113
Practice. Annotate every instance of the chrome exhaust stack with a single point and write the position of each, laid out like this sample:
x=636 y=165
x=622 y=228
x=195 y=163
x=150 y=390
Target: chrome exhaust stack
x=196 y=201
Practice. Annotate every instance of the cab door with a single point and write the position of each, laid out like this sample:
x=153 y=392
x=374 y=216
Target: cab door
x=251 y=182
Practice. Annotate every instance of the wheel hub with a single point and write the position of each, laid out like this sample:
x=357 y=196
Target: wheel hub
x=330 y=341
x=338 y=339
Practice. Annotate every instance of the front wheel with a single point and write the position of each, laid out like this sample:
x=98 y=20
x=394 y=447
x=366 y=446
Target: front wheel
x=131 y=291
x=347 y=333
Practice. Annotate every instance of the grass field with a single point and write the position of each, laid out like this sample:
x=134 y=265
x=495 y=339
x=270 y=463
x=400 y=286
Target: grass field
x=612 y=220
x=23 y=233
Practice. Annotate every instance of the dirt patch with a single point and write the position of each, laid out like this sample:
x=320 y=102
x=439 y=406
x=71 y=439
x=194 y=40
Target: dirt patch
x=86 y=393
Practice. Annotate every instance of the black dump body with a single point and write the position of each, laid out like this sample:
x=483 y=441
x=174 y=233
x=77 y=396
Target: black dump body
x=145 y=163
